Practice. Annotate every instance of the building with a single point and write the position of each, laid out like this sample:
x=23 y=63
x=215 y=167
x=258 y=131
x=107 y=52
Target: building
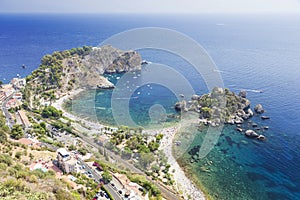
x=2 y=96
x=24 y=120
x=102 y=140
x=18 y=83
x=132 y=190
x=8 y=89
x=65 y=161
x=18 y=96
x=13 y=103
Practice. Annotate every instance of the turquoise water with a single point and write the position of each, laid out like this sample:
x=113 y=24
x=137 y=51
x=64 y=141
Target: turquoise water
x=96 y=104
x=226 y=172
x=252 y=52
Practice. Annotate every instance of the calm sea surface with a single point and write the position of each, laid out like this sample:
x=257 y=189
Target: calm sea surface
x=254 y=53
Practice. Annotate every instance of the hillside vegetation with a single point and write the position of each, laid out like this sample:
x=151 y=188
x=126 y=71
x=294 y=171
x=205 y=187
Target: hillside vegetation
x=18 y=182
x=65 y=71
x=218 y=106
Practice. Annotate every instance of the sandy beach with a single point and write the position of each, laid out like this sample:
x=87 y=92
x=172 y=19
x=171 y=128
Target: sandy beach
x=183 y=184
x=58 y=104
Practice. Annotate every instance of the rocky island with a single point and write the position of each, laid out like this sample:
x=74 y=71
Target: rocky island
x=65 y=71
x=222 y=106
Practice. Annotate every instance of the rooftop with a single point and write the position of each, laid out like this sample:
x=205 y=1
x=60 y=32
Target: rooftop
x=24 y=118
x=63 y=152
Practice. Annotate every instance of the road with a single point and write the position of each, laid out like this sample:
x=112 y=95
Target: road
x=97 y=177
x=113 y=192
x=9 y=120
x=166 y=193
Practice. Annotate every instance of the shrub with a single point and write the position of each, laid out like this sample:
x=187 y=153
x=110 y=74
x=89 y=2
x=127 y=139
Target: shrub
x=18 y=155
x=50 y=111
x=5 y=159
x=17 y=132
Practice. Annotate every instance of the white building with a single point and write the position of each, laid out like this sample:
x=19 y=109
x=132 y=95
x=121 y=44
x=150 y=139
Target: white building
x=18 y=83
x=66 y=162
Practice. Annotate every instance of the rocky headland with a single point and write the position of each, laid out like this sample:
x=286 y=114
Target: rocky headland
x=66 y=71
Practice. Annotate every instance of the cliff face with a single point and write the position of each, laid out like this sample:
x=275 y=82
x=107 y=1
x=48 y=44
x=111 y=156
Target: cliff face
x=65 y=71
x=110 y=60
x=88 y=71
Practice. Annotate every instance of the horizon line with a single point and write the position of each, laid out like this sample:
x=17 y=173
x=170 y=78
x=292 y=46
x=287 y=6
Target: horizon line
x=155 y=13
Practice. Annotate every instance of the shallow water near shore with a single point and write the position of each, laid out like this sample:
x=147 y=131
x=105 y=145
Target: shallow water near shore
x=235 y=168
x=96 y=105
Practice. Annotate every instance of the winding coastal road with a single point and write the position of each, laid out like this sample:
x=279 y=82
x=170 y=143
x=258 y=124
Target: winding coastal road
x=9 y=120
x=110 y=189
x=166 y=193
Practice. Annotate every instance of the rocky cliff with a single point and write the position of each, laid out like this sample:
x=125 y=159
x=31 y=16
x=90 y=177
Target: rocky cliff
x=65 y=71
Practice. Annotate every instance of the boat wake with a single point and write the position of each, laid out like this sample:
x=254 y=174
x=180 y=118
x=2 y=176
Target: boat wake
x=253 y=90
x=100 y=108
x=124 y=98
x=220 y=71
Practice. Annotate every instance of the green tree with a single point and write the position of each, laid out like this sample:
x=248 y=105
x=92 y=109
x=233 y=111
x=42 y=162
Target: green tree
x=153 y=146
x=50 y=111
x=146 y=159
x=106 y=176
x=155 y=168
x=17 y=132
x=18 y=155
x=5 y=159
x=72 y=147
x=82 y=150
x=43 y=125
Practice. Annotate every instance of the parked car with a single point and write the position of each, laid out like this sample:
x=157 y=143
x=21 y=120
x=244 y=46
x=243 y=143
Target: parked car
x=101 y=194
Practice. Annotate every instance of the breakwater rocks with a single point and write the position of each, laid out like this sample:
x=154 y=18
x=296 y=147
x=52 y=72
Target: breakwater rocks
x=222 y=106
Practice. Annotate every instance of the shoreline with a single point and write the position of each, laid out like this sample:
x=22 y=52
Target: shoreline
x=58 y=104
x=182 y=182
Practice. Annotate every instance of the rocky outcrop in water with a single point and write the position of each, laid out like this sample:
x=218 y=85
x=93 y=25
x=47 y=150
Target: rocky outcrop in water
x=243 y=94
x=181 y=106
x=222 y=106
x=219 y=106
x=259 y=109
x=253 y=134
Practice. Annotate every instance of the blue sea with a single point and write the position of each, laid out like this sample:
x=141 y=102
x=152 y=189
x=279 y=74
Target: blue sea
x=256 y=53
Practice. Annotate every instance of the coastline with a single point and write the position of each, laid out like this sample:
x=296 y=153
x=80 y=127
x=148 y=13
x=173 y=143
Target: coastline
x=182 y=182
x=58 y=104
